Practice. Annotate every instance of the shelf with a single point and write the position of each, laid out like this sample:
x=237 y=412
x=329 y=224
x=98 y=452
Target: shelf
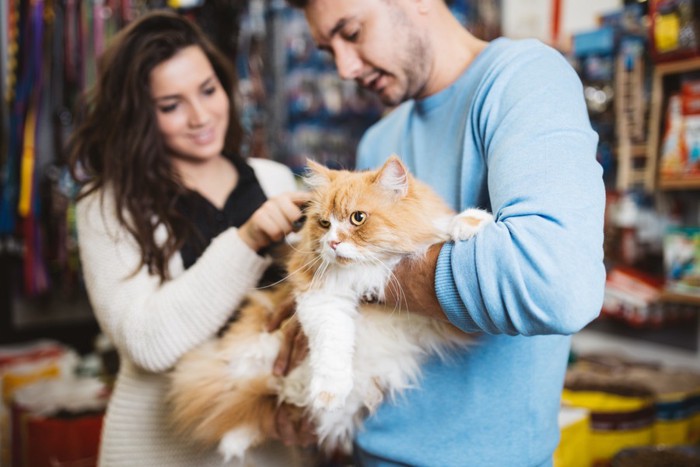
x=678 y=66
x=669 y=296
x=680 y=182
x=659 y=95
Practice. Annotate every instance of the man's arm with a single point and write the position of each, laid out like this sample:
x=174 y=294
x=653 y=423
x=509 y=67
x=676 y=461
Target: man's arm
x=412 y=286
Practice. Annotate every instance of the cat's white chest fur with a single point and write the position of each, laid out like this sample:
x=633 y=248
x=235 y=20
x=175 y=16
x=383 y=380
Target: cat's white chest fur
x=360 y=280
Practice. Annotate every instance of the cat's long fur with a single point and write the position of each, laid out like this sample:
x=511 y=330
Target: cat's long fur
x=358 y=353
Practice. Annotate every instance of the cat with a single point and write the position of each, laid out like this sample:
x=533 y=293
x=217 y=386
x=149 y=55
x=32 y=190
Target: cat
x=359 y=225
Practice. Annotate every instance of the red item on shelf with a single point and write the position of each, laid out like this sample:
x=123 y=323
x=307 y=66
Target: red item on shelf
x=49 y=441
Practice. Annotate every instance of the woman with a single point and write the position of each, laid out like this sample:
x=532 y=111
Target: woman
x=172 y=222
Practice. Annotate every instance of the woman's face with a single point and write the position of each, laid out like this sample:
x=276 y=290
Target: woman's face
x=192 y=108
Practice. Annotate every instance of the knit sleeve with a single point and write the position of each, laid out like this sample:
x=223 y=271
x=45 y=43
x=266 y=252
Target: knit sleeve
x=539 y=268
x=150 y=323
x=274 y=178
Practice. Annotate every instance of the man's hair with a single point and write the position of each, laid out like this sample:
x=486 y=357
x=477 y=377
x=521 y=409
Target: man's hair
x=298 y=3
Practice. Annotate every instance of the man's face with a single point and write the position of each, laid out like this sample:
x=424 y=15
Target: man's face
x=378 y=43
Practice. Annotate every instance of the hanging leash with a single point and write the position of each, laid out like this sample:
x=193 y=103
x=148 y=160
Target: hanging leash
x=17 y=96
x=35 y=273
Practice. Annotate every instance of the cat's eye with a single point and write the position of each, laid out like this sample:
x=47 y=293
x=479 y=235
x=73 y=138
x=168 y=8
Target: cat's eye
x=358 y=218
x=324 y=223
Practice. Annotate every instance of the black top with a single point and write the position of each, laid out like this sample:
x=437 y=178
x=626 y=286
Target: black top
x=209 y=221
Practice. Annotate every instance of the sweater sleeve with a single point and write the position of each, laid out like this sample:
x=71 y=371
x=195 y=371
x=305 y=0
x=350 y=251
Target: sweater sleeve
x=539 y=268
x=275 y=178
x=153 y=324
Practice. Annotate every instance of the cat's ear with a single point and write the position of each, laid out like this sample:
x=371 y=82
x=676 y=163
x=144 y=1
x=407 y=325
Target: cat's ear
x=317 y=175
x=394 y=176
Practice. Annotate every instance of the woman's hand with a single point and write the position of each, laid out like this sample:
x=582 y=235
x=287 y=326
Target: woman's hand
x=273 y=220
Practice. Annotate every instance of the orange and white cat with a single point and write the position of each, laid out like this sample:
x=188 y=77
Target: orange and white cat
x=359 y=226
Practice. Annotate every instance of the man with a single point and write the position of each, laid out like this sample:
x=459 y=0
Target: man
x=502 y=126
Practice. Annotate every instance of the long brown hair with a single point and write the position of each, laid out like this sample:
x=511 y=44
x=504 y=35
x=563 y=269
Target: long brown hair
x=117 y=144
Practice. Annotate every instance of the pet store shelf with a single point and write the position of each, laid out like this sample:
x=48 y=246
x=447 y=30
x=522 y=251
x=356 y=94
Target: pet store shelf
x=669 y=296
x=680 y=182
x=664 y=81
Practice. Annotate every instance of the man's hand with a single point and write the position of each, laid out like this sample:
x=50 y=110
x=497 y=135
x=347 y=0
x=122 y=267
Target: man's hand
x=273 y=220
x=290 y=425
x=294 y=428
x=412 y=287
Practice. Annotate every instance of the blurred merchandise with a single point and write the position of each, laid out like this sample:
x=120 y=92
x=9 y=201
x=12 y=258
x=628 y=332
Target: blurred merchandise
x=682 y=260
x=680 y=149
x=612 y=63
x=633 y=403
x=633 y=297
x=22 y=365
x=674 y=29
x=58 y=422
x=658 y=456
x=575 y=441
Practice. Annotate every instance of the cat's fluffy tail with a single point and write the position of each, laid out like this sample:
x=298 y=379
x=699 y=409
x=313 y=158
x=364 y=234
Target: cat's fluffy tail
x=222 y=392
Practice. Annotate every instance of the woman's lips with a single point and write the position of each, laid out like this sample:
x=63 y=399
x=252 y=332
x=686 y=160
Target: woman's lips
x=203 y=137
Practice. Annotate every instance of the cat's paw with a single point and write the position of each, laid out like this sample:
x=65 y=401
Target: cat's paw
x=468 y=223
x=329 y=391
x=373 y=395
x=372 y=296
x=235 y=443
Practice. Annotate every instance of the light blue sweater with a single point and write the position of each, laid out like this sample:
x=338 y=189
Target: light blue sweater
x=510 y=135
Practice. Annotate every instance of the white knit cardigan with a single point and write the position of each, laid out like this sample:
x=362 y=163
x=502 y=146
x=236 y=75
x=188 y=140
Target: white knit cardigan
x=152 y=325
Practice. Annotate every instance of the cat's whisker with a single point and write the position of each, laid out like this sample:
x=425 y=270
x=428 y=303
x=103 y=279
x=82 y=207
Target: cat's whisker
x=304 y=267
x=295 y=248
x=392 y=282
x=318 y=275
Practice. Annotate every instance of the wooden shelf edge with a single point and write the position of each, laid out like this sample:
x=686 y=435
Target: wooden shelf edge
x=678 y=66
x=670 y=296
x=680 y=183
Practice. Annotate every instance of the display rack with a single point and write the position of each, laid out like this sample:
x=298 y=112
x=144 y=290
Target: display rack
x=665 y=79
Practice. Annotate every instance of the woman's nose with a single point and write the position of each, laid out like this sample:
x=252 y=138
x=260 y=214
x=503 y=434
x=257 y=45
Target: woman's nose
x=198 y=114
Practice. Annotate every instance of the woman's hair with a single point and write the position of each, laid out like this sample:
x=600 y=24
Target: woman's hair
x=118 y=145
x=298 y=3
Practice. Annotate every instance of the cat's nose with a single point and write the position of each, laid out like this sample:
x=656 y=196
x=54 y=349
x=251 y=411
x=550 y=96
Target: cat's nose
x=334 y=244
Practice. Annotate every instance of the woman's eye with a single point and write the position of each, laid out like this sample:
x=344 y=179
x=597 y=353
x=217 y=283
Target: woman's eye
x=210 y=91
x=358 y=218
x=167 y=108
x=324 y=223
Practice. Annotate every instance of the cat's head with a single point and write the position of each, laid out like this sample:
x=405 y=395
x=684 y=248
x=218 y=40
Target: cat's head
x=369 y=216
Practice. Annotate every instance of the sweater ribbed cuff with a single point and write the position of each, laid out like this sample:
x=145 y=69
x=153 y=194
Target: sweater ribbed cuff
x=448 y=295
